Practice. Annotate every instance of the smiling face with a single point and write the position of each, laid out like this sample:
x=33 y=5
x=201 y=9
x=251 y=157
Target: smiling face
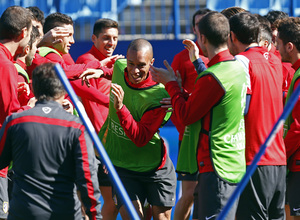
x=67 y=42
x=138 y=64
x=106 y=41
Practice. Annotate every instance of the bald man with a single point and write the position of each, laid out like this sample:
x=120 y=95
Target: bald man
x=130 y=136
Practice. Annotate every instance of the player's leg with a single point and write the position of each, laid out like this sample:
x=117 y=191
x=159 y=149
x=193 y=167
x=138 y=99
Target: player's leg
x=161 y=190
x=185 y=203
x=109 y=210
x=138 y=207
x=135 y=190
x=161 y=212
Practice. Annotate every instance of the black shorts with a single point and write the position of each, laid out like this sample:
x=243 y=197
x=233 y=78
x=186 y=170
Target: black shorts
x=211 y=195
x=187 y=177
x=4 y=205
x=158 y=188
x=103 y=178
x=293 y=193
x=264 y=195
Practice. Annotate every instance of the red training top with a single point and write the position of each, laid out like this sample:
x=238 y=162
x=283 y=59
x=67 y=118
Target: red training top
x=292 y=140
x=97 y=112
x=206 y=94
x=264 y=72
x=183 y=64
x=9 y=102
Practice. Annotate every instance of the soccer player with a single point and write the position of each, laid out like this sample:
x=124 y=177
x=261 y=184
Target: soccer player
x=289 y=48
x=53 y=157
x=105 y=39
x=15 y=29
x=24 y=60
x=213 y=116
x=184 y=66
x=264 y=97
x=130 y=136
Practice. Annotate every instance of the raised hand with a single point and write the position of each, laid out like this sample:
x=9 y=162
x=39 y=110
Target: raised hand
x=192 y=48
x=118 y=92
x=163 y=75
x=90 y=74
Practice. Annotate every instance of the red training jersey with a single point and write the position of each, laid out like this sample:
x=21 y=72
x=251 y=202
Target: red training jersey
x=264 y=74
x=182 y=63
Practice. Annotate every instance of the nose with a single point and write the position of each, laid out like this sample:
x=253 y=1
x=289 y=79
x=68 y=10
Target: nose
x=111 y=41
x=72 y=41
x=136 y=70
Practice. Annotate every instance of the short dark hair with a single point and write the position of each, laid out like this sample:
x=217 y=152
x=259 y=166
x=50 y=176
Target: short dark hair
x=265 y=33
x=289 y=31
x=202 y=11
x=229 y=12
x=139 y=44
x=13 y=20
x=38 y=15
x=55 y=20
x=35 y=34
x=272 y=16
x=215 y=27
x=46 y=85
x=245 y=26
x=263 y=20
x=104 y=23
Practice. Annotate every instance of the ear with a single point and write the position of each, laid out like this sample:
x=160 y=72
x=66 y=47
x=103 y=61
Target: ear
x=23 y=34
x=94 y=38
x=289 y=47
x=203 y=39
x=152 y=61
x=26 y=50
x=194 y=30
x=232 y=36
x=266 y=44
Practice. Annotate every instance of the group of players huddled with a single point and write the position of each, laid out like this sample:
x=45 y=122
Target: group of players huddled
x=223 y=92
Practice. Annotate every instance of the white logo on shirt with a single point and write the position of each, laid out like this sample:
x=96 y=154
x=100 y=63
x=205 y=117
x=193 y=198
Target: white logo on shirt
x=5 y=207
x=207 y=218
x=46 y=110
x=295 y=210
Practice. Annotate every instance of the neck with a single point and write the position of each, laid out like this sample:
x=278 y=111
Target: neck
x=213 y=51
x=11 y=46
x=22 y=59
x=251 y=45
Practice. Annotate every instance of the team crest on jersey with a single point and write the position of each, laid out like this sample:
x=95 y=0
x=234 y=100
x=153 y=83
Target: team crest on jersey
x=5 y=207
x=46 y=110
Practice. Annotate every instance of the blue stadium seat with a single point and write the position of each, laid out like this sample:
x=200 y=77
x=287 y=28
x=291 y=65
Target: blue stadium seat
x=219 y=5
x=296 y=8
x=257 y=6
x=5 y=4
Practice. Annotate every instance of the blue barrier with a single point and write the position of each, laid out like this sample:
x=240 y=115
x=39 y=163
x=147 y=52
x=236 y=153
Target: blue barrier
x=99 y=147
x=251 y=169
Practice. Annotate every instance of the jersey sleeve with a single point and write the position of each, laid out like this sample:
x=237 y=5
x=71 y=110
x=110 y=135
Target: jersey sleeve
x=207 y=93
x=90 y=93
x=86 y=174
x=292 y=140
x=140 y=133
x=5 y=146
